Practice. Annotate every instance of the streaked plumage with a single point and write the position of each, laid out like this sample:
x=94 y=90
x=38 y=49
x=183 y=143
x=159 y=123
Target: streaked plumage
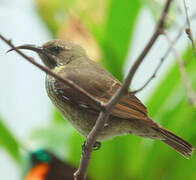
x=129 y=116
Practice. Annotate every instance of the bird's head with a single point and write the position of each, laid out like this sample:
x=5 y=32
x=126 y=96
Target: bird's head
x=56 y=52
x=41 y=156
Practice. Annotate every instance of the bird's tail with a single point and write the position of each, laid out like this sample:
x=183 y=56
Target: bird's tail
x=177 y=143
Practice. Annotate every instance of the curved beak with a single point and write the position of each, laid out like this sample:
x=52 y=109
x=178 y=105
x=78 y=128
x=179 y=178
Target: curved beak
x=47 y=58
x=31 y=47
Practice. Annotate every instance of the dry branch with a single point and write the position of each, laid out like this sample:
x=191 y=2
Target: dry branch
x=105 y=110
x=190 y=93
x=188 y=29
x=180 y=32
x=103 y=116
x=99 y=104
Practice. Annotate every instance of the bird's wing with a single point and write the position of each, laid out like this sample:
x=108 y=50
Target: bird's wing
x=101 y=86
x=128 y=107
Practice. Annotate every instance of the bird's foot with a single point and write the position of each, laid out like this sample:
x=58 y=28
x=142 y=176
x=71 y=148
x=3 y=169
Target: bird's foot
x=96 y=147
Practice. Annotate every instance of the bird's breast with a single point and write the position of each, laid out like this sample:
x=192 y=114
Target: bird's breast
x=81 y=120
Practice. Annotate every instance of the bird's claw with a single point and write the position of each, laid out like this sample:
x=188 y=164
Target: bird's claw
x=96 y=147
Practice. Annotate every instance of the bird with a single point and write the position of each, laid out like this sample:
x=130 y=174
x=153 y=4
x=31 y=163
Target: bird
x=45 y=165
x=129 y=116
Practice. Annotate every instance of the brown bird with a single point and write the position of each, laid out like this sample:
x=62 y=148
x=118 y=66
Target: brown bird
x=129 y=116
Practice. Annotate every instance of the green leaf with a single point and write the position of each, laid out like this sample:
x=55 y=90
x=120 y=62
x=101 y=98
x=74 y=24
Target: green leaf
x=131 y=157
x=169 y=105
x=9 y=142
x=119 y=28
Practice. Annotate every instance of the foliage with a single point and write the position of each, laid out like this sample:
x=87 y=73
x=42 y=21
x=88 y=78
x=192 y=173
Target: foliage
x=132 y=157
x=126 y=157
x=115 y=49
x=9 y=142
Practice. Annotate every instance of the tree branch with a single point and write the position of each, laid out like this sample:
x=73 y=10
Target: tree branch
x=190 y=93
x=188 y=29
x=180 y=32
x=105 y=109
x=99 y=104
x=103 y=116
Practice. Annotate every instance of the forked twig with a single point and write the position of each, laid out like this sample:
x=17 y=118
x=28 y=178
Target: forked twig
x=103 y=116
x=165 y=56
x=99 y=104
x=105 y=110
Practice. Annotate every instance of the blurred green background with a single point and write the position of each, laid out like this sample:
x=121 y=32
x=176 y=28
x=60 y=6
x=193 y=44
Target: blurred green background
x=108 y=30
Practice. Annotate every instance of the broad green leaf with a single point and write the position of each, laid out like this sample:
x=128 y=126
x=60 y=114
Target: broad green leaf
x=132 y=157
x=169 y=105
x=117 y=37
x=9 y=142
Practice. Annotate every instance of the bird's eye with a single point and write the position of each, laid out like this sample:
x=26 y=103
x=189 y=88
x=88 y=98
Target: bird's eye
x=55 y=49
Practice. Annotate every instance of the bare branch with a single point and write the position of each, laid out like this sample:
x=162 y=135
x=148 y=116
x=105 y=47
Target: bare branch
x=180 y=32
x=153 y=75
x=188 y=29
x=104 y=110
x=103 y=116
x=190 y=93
x=99 y=104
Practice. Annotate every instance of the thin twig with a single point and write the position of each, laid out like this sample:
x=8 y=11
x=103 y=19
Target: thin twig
x=190 y=93
x=80 y=174
x=188 y=29
x=165 y=56
x=105 y=112
x=99 y=104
